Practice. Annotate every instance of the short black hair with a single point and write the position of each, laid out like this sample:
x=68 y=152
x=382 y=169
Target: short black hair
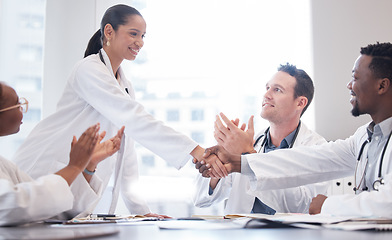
x=381 y=64
x=304 y=86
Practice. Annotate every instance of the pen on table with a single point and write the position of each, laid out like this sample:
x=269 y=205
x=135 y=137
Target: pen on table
x=102 y=215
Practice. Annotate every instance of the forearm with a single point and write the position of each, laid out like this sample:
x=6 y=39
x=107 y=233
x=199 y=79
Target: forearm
x=197 y=152
x=91 y=168
x=240 y=150
x=234 y=163
x=69 y=173
x=275 y=170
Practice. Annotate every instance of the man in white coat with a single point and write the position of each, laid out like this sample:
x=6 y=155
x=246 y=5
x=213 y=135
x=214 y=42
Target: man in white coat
x=367 y=153
x=288 y=95
x=23 y=199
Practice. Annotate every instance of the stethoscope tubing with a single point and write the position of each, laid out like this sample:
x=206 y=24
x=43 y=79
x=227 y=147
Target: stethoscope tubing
x=265 y=137
x=379 y=181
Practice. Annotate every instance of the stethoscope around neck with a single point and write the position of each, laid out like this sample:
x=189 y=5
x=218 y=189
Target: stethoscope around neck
x=103 y=60
x=380 y=180
x=265 y=137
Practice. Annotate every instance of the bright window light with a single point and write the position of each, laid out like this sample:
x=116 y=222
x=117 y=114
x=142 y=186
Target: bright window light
x=210 y=56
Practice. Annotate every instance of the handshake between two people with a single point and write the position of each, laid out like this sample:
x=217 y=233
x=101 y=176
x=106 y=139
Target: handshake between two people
x=217 y=162
x=225 y=158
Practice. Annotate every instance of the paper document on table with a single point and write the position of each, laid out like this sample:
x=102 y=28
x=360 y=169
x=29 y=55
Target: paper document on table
x=98 y=218
x=208 y=217
x=377 y=224
x=313 y=219
x=317 y=221
x=349 y=226
x=296 y=218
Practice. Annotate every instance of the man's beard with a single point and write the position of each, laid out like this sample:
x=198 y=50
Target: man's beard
x=355 y=111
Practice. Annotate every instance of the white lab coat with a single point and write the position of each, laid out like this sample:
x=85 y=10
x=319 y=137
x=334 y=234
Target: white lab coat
x=23 y=199
x=304 y=165
x=235 y=187
x=92 y=94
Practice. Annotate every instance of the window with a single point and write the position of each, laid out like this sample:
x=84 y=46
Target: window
x=32 y=115
x=198 y=137
x=30 y=53
x=203 y=57
x=174 y=95
x=21 y=60
x=173 y=115
x=198 y=95
x=28 y=83
x=148 y=160
x=198 y=115
x=31 y=21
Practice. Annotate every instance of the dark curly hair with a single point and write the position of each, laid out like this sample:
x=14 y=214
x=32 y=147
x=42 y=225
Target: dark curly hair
x=381 y=64
x=304 y=86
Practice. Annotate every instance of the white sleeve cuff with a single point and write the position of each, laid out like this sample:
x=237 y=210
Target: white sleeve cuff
x=247 y=171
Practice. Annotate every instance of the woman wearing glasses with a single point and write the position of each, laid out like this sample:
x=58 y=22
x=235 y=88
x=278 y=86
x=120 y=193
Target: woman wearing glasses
x=23 y=199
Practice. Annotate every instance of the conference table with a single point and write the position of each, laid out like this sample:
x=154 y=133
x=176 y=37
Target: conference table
x=152 y=230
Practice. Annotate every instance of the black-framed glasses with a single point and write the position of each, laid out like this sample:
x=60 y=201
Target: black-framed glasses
x=23 y=106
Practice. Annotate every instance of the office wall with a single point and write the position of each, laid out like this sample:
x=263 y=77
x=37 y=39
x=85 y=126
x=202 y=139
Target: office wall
x=66 y=38
x=340 y=28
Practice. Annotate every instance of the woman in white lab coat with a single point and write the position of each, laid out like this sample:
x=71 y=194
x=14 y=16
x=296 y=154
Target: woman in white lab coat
x=98 y=91
x=23 y=199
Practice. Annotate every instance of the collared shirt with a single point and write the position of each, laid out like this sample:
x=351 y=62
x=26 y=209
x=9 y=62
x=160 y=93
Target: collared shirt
x=378 y=133
x=285 y=143
x=259 y=206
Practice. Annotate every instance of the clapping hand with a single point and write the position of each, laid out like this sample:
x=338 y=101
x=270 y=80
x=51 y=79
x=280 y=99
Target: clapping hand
x=82 y=148
x=234 y=139
x=80 y=154
x=106 y=149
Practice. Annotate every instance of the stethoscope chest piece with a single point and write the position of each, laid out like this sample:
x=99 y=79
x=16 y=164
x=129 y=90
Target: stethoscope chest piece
x=378 y=183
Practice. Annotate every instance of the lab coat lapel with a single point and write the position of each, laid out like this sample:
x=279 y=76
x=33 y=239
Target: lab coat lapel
x=107 y=62
x=120 y=154
x=118 y=174
x=122 y=79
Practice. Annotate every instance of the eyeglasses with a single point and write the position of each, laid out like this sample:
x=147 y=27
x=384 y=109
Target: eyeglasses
x=23 y=106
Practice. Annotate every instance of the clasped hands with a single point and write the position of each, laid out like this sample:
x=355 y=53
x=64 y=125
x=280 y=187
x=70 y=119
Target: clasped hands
x=225 y=158
x=218 y=163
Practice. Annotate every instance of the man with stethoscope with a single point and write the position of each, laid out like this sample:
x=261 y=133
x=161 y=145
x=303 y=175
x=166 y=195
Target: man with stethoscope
x=288 y=94
x=367 y=153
